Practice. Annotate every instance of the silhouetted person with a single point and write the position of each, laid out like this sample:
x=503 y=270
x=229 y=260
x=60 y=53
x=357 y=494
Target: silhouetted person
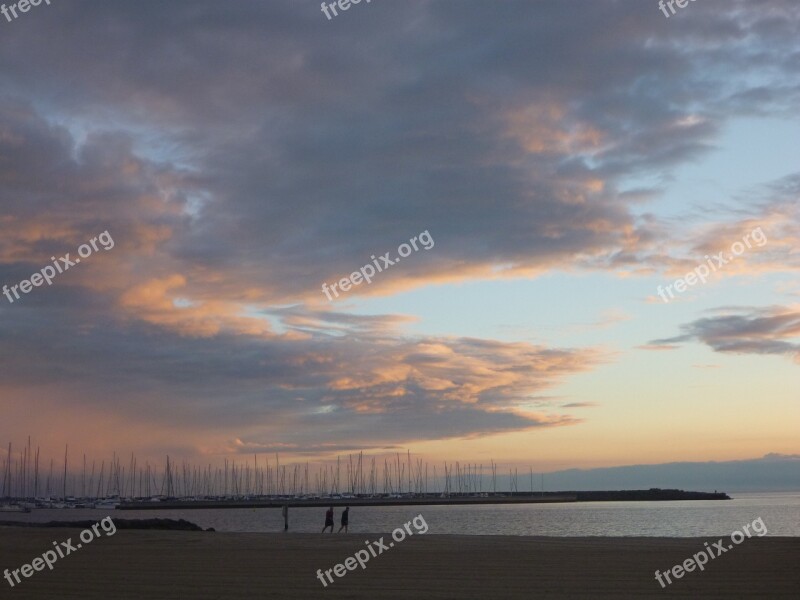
x=345 y=519
x=285 y=512
x=328 y=520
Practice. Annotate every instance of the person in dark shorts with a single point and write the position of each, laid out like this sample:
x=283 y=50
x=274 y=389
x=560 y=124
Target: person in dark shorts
x=328 y=520
x=345 y=519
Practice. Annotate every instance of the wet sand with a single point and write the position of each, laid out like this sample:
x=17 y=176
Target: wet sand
x=163 y=565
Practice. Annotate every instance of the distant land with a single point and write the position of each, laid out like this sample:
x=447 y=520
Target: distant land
x=773 y=472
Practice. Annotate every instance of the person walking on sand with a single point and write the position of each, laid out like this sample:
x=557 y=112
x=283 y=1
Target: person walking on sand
x=285 y=512
x=328 y=520
x=345 y=519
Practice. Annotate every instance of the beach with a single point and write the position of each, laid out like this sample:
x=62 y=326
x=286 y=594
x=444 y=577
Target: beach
x=135 y=564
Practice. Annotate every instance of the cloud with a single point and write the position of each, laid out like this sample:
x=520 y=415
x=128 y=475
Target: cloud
x=307 y=157
x=765 y=241
x=360 y=388
x=757 y=331
x=658 y=346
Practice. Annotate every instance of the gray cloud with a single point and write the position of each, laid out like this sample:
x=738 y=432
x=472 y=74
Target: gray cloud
x=753 y=331
x=359 y=389
x=317 y=151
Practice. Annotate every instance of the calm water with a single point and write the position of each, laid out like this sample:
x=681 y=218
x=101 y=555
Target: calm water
x=780 y=513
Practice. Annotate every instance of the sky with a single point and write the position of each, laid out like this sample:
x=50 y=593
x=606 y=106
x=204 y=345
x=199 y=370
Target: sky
x=554 y=167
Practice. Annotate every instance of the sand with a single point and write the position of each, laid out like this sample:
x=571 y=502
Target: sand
x=162 y=565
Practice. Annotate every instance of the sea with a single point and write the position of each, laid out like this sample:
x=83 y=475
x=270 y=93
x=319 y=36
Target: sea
x=779 y=512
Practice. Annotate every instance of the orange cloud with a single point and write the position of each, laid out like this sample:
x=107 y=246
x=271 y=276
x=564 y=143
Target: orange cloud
x=159 y=301
x=546 y=128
